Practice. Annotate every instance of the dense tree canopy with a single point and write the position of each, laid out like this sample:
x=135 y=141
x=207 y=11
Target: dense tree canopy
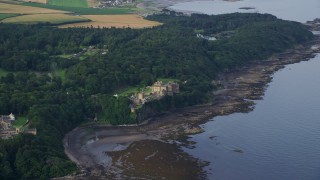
x=40 y=77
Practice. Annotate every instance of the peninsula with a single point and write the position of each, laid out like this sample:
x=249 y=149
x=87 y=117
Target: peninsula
x=76 y=84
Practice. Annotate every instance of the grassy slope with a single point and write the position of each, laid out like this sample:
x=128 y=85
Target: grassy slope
x=19 y=122
x=84 y=11
x=69 y=3
x=133 y=90
x=166 y=80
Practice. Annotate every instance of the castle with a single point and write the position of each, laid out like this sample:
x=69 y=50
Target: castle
x=7 y=130
x=158 y=90
x=162 y=89
x=6 y=121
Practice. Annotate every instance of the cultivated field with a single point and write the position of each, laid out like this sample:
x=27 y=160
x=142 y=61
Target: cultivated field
x=37 y=1
x=57 y=12
x=69 y=3
x=85 y=11
x=3 y=16
x=92 y=3
x=19 y=9
x=118 y=21
x=43 y=18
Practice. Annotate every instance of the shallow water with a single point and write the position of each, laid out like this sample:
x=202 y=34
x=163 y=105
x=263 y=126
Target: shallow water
x=297 y=10
x=280 y=139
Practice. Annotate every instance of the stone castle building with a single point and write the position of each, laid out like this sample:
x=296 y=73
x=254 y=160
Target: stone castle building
x=8 y=131
x=162 y=89
x=6 y=121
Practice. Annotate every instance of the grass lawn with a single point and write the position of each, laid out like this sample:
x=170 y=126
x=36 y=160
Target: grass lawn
x=67 y=56
x=61 y=73
x=69 y=3
x=84 y=11
x=132 y=90
x=166 y=80
x=128 y=91
x=199 y=31
x=19 y=122
x=4 y=16
x=54 y=19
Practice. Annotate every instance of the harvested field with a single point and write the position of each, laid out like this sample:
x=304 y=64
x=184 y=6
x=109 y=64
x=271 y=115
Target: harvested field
x=43 y=18
x=92 y=3
x=118 y=21
x=19 y=9
x=69 y=3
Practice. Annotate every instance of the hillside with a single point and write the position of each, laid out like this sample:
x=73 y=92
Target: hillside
x=60 y=78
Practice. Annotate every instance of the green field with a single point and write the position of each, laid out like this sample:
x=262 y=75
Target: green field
x=3 y=16
x=54 y=19
x=69 y=3
x=132 y=90
x=85 y=11
x=19 y=122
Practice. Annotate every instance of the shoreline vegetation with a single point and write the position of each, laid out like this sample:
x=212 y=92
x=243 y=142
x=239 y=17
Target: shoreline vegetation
x=241 y=88
x=62 y=78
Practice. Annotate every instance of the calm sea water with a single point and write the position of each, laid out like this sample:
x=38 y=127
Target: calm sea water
x=280 y=139
x=297 y=10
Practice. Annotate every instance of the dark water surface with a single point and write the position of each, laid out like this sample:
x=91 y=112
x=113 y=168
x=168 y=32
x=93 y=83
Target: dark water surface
x=280 y=139
x=297 y=10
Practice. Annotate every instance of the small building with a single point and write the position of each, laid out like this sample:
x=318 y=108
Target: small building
x=173 y=88
x=141 y=98
x=6 y=121
x=26 y=130
x=132 y=108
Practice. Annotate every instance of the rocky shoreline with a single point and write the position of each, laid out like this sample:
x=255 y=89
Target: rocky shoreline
x=91 y=147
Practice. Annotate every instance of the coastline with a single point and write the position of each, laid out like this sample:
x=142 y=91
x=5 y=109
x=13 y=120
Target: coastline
x=241 y=88
x=166 y=4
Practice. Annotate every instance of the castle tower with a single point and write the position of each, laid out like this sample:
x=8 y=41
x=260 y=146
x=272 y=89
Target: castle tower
x=12 y=117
